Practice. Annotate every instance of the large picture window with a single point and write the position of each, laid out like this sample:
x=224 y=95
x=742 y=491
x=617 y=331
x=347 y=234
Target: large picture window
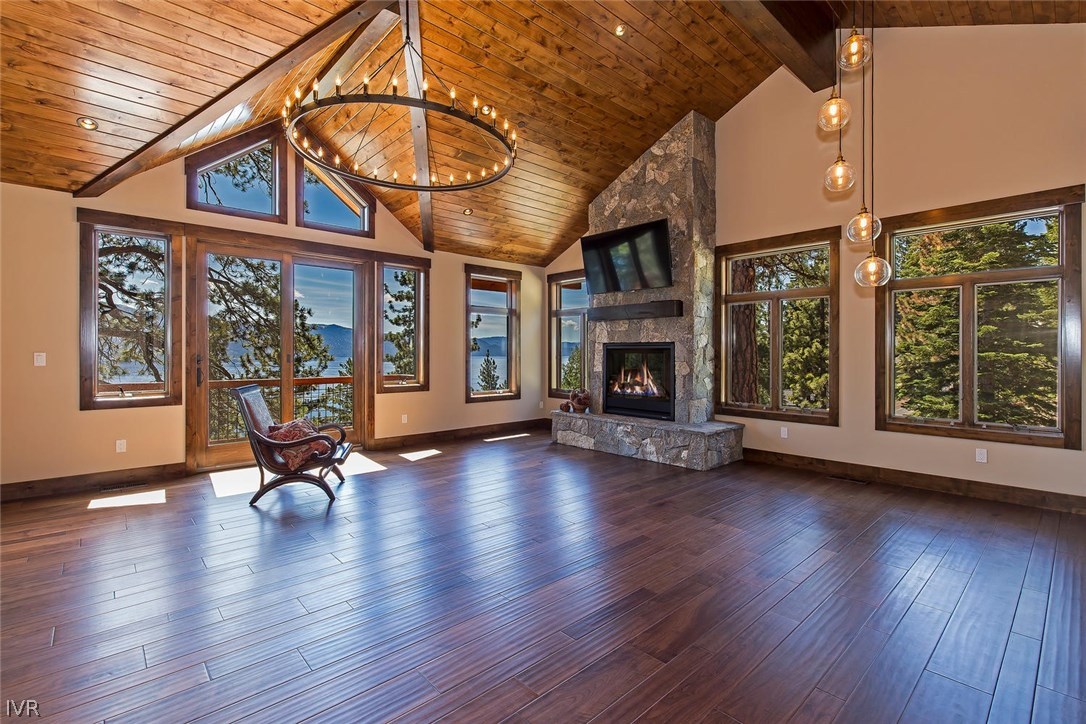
x=130 y=316
x=777 y=327
x=493 y=333
x=978 y=330
x=568 y=308
x=403 y=357
x=242 y=176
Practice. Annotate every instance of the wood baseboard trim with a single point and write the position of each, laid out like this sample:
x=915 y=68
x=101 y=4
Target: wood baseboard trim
x=1063 y=502
x=426 y=438
x=90 y=482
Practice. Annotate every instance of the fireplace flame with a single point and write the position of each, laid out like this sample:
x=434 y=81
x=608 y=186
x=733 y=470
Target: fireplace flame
x=637 y=382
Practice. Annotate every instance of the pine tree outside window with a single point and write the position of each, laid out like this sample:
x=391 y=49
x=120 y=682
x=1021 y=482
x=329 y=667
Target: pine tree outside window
x=402 y=324
x=568 y=305
x=493 y=333
x=130 y=315
x=242 y=176
x=977 y=331
x=776 y=318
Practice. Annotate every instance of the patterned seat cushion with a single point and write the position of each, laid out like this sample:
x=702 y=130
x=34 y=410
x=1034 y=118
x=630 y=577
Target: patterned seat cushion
x=298 y=455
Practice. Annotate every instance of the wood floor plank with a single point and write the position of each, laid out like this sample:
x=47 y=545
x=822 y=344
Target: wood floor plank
x=938 y=699
x=885 y=688
x=1013 y=698
x=972 y=646
x=608 y=589
x=1064 y=646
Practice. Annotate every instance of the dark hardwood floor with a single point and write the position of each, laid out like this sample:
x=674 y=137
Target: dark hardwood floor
x=523 y=580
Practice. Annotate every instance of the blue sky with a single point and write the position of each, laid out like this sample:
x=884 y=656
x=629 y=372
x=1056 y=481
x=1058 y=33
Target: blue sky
x=328 y=292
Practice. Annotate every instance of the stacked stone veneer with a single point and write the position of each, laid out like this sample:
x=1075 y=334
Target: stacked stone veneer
x=676 y=179
x=699 y=446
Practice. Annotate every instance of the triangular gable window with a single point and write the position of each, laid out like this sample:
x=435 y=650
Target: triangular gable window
x=242 y=176
x=333 y=204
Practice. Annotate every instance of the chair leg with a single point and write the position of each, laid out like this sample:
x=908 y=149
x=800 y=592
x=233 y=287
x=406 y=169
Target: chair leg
x=339 y=474
x=295 y=478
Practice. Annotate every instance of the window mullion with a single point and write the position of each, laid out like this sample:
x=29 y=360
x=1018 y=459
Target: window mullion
x=776 y=349
x=968 y=352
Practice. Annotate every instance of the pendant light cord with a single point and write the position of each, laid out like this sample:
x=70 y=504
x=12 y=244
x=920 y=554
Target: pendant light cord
x=872 y=109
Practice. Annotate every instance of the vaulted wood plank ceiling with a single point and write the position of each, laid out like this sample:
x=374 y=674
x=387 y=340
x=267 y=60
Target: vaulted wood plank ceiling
x=586 y=101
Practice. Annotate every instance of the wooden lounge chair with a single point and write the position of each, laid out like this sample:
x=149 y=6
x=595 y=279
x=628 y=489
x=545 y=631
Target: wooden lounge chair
x=268 y=452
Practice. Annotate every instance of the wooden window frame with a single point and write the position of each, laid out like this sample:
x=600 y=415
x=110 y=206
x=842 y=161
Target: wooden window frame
x=512 y=312
x=1068 y=203
x=340 y=187
x=268 y=133
x=831 y=236
x=88 y=310
x=554 y=313
x=422 y=330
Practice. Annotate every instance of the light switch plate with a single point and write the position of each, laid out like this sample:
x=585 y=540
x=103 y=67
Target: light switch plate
x=39 y=359
x=784 y=433
x=982 y=455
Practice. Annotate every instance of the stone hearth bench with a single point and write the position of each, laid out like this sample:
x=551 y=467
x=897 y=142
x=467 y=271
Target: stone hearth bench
x=698 y=446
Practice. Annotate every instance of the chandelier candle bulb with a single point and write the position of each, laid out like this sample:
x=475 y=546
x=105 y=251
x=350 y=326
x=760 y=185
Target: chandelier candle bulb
x=414 y=177
x=475 y=106
x=395 y=176
x=394 y=86
x=339 y=86
x=320 y=153
x=316 y=87
x=425 y=87
x=336 y=160
x=433 y=179
x=365 y=85
x=452 y=98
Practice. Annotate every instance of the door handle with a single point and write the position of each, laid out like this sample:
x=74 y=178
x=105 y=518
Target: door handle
x=199 y=371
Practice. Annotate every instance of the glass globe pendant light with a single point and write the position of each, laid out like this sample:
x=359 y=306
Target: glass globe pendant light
x=840 y=176
x=855 y=52
x=864 y=227
x=834 y=113
x=874 y=271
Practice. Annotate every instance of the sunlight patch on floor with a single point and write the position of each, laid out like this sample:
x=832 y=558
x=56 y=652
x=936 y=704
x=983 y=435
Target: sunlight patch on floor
x=235 y=482
x=420 y=455
x=147 y=497
x=506 y=437
x=359 y=464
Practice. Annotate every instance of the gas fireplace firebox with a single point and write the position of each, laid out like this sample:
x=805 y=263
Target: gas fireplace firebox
x=639 y=380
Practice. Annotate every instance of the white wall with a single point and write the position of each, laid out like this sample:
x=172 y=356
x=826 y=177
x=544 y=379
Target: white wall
x=44 y=432
x=963 y=114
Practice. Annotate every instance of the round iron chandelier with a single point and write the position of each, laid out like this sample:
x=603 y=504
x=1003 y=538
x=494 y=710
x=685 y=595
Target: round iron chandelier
x=501 y=141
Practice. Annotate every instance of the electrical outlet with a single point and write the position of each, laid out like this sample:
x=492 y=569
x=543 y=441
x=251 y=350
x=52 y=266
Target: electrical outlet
x=39 y=359
x=541 y=404
x=982 y=455
x=122 y=446
x=403 y=419
x=784 y=432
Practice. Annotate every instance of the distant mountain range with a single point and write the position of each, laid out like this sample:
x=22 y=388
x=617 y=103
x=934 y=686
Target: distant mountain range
x=341 y=344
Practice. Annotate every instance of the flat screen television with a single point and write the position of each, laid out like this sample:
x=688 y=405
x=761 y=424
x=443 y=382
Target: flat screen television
x=637 y=257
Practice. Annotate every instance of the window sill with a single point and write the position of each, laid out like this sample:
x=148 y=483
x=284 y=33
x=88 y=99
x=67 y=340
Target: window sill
x=988 y=434
x=808 y=418
x=120 y=403
x=409 y=387
x=494 y=397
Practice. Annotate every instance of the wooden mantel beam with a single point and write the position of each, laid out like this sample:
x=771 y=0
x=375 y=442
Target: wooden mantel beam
x=800 y=34
x=409 y=17
x=258 y=80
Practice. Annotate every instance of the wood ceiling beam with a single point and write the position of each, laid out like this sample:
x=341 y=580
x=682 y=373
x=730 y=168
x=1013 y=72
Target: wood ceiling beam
x=241 y=91
x=409 y=16
x=363 y=40
x=799 y=34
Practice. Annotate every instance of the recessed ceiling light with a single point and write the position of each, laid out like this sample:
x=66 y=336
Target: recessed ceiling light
x=469 y=212
x=620 y=30
x=88 y=124
x=486 y=110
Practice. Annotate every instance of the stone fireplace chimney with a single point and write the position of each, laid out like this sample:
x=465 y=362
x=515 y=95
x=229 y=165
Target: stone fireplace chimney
x=676 y=179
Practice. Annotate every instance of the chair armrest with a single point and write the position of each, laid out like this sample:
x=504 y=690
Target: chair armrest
x=276 y=444
x=338 y=428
